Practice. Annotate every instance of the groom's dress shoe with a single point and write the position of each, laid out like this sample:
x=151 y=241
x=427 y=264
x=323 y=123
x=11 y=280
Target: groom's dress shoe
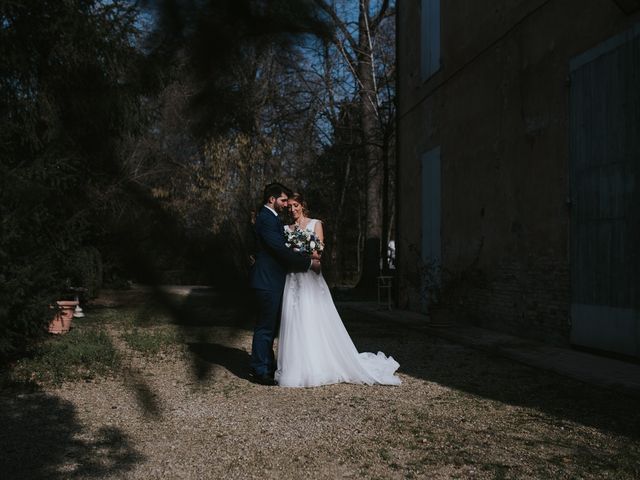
x=264 y=379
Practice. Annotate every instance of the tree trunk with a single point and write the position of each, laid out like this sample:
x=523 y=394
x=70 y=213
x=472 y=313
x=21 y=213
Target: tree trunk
x=338 y=216
x=385 y=205
x=372 y=152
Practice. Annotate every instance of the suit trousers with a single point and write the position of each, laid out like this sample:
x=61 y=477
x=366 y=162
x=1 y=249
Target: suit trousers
x=269 y=307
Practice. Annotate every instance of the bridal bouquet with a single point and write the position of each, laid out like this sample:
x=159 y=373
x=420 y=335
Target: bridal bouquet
x=303 y=241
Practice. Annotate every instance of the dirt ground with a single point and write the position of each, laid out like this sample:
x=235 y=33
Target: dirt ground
x=190 y=412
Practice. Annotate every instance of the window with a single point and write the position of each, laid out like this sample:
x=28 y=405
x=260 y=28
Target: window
x=429 y=38
x=431 y=206
x=431 y=214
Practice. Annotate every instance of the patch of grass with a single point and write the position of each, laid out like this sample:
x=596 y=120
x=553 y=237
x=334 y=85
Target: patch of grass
x=100 y=316
x=9 y=382
x=148 y=314
x=127 y=317
x=80 y=354
x=149 y=342
x=385 y=455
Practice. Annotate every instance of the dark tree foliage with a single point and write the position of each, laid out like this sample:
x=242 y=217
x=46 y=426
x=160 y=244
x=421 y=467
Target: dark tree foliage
x=80 y=88
x=214 y=56
x=337 y=180
x=216 y=36
x=65 y=101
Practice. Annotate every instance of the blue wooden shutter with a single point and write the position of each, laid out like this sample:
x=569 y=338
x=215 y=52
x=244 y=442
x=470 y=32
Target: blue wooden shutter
x=429 y=38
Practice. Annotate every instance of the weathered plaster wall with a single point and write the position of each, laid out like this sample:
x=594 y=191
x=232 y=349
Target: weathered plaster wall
x=498 y=108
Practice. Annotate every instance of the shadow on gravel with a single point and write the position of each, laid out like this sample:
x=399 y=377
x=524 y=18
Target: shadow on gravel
x=493 y=377
x=41 y=438
x=145 y=396
x=206 y=355
x=204 y=308
x=197 y=315
x=215 y=309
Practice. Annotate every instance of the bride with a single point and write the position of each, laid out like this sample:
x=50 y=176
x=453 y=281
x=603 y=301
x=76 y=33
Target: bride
x=314 y=347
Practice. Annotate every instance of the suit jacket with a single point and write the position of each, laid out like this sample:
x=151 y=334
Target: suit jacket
x=273 y=258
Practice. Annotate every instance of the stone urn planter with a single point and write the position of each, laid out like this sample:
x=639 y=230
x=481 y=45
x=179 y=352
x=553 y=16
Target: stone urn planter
x=61 y=322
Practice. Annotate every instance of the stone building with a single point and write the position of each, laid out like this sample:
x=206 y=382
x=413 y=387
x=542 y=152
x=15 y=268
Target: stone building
x=519 y=165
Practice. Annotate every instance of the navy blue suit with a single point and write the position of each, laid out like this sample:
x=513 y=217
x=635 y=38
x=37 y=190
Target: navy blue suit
x=267 y=278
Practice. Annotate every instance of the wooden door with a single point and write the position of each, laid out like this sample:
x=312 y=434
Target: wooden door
x=605 y=206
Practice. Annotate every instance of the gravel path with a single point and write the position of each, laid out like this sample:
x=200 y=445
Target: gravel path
x=190 y=412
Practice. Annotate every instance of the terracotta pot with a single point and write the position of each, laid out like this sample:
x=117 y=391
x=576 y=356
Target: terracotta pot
x=61 y=322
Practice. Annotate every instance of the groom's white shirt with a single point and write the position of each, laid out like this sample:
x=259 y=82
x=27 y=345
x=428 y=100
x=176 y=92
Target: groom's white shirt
x=272 y=210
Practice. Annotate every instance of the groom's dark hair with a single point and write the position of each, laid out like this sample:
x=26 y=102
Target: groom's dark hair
x=274 y=190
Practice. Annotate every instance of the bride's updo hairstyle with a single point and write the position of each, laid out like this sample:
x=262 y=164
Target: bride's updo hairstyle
x=297 y=197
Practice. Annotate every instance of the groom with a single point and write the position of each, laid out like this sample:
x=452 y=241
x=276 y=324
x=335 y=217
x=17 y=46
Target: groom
x=267 y=278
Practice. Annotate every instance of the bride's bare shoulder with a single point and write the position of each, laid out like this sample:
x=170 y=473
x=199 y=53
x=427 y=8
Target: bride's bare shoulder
x=317 y=226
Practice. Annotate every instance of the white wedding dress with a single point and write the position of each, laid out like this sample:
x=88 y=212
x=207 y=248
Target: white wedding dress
x=314 y=347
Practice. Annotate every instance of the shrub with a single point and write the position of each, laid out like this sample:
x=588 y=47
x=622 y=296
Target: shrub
x=64 y=107
x=85 y=270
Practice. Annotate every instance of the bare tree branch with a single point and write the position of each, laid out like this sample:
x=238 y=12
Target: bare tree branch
x=338 y=23
x=380 y=16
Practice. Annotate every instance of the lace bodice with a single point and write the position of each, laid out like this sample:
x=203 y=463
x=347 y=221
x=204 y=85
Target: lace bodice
x=311 y=225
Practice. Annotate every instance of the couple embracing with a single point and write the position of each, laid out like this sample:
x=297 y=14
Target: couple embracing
x=314 y=347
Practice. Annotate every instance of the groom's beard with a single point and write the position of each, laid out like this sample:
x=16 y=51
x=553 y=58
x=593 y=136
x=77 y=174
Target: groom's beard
x=286 y=217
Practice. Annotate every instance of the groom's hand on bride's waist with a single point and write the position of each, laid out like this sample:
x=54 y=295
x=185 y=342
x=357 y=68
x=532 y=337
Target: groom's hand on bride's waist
x=316 y=266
